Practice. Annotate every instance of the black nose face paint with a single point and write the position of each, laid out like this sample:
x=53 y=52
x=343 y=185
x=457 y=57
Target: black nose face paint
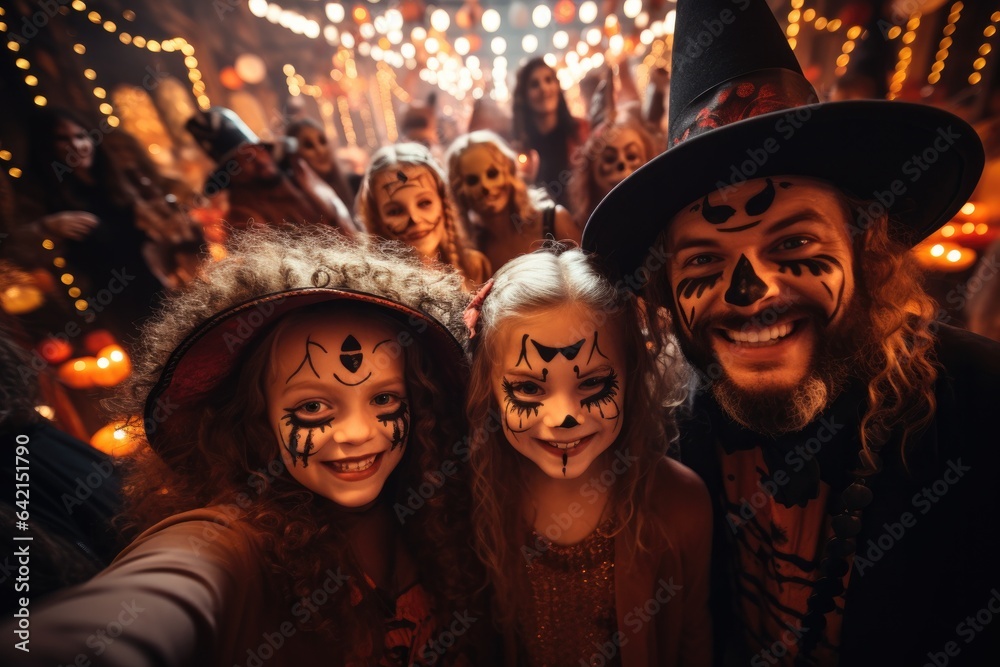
x=745 y=288
x=569 y=422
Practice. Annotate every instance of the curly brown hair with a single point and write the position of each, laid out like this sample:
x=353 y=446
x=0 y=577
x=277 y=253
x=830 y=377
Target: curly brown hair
x=234 y=462
x=546 y=279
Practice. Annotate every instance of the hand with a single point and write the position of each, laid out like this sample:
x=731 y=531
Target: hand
x=75 y=225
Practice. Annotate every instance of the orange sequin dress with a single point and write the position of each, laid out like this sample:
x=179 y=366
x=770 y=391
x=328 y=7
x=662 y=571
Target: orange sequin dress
x=570 y=620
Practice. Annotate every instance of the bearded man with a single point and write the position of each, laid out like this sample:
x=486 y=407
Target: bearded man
x=845 y=435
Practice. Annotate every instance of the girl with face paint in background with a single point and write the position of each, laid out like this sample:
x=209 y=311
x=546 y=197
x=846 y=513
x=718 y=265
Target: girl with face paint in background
x=404 y=197
x=580 y=518
x=505 y=216
x=294 y=398
x=613 y=151
x=543 y=123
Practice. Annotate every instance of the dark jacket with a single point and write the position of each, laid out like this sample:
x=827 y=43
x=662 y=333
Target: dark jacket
x=917 y=600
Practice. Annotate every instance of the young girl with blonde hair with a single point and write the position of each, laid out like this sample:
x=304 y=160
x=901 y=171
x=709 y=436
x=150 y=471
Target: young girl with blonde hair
x=404 y=197
x=597 y=544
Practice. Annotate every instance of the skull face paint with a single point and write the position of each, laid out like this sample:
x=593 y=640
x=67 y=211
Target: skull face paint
x=410 y=207
x=758 y=278
x=560 y=384
x=336 y=400
x=623 y=154
x=486 y=187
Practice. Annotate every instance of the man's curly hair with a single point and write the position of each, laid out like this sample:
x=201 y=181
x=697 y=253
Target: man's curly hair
x=297 y=535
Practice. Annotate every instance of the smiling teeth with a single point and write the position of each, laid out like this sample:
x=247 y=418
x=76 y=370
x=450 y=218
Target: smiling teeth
x=354 y=466
x=760 y=335
x=565 y=445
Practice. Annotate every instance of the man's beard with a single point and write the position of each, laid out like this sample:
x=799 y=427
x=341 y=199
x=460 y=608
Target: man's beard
x=776 y=410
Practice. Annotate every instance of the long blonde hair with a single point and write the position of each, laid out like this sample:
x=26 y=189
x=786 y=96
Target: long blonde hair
x=546 y=279
x=453 y=246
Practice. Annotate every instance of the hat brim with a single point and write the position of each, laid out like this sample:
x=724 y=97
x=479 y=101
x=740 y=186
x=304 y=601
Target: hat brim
x=210 y=353
x=920 y=162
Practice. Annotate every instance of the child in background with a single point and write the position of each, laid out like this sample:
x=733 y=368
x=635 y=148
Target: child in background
x=505 y=216
x=404 y=197
x=583 y=523
x=293 y=396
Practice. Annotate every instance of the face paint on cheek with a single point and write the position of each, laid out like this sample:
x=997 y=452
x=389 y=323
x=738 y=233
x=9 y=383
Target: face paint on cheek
x=689 y=292
x=400 y=420
x=826 y=270
x=605 y=400
x=295 y=427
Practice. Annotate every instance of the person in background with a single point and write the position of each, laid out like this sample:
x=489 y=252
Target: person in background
x=83 y=213
x=613 y=151
x=314 y=147
x=259 y=191
x=404 y=197
x=507 y=218
x=543 y=123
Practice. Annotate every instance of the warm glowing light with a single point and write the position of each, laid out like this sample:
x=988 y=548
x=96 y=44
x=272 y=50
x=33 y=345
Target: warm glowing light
x=560 y=39
x=937 y=250
x=529 y=43
x=954 y=255
x=541 y=16
x=947 y=231
x=491 y=20
x=462 y=46
x=335 y=12
x=588 y=11
x=968 y=208
x=440 y=20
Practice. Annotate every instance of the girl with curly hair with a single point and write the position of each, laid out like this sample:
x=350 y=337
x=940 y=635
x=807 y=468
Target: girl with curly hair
x=595 y=542
x=404 y=197
x=505 y=216
x=294 y=400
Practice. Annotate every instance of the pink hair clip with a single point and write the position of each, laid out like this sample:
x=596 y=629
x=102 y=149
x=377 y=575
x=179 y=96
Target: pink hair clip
x=471 y=314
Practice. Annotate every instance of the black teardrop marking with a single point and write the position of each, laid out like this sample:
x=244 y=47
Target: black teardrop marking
x=761 y=201
x=745 y=288
x=716 y=215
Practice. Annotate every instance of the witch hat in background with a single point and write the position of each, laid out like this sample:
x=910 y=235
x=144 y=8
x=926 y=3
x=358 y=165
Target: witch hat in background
x=741 y=109
x=221 y=133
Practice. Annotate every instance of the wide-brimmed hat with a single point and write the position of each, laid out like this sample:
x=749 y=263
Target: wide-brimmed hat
x=740 y=109
x=221 y=338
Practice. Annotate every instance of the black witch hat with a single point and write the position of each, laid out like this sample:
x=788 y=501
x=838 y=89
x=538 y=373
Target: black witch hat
x=221 y=133
x=740 y=108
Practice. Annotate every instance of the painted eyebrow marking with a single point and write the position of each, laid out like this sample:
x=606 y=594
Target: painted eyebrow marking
x=524 y=352
x=595 y=348
x=740 y=228
x=307 y=359
x=387 y=340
